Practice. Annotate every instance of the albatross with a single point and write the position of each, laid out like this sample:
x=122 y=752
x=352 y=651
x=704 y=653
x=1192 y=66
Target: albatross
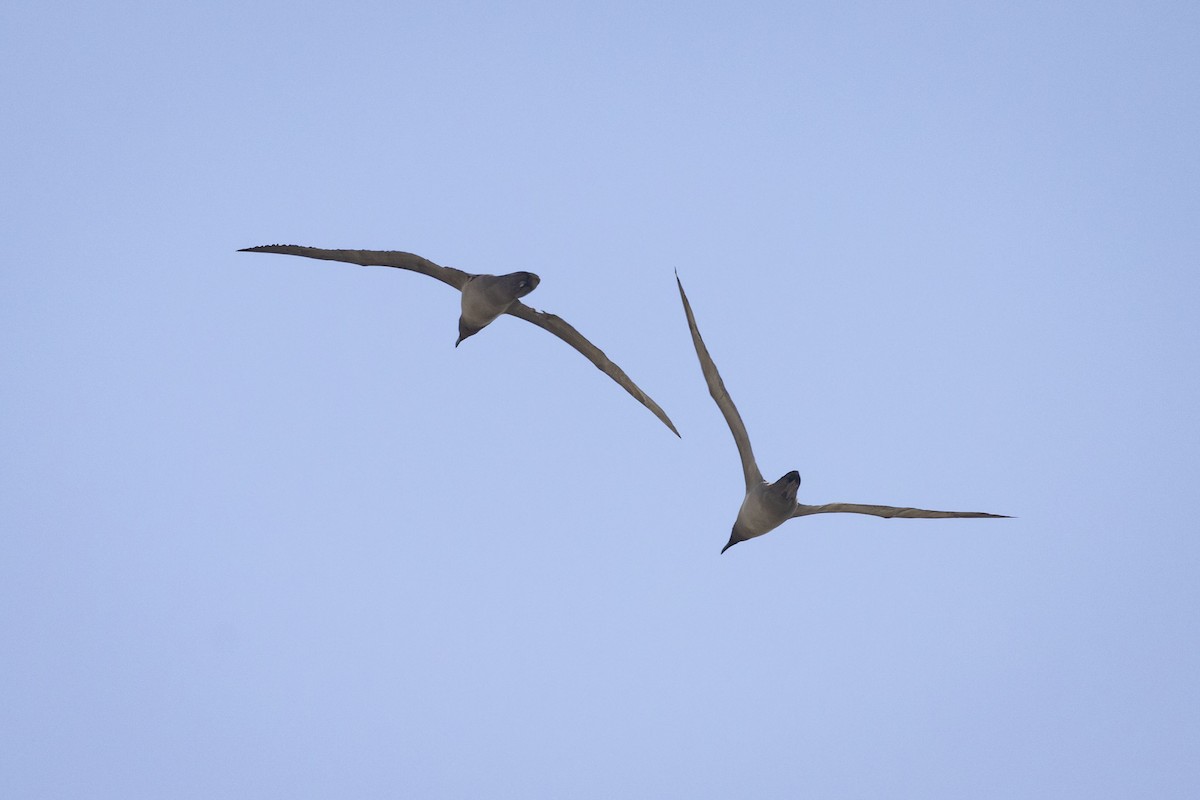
x=484 y=298
x=769 y=505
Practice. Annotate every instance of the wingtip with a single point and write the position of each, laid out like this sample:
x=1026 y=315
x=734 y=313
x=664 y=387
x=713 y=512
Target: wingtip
x=662 y=415
x=682 y=293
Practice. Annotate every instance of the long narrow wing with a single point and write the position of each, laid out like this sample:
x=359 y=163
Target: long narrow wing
x=559 y=327
x=888 y=511
x=372 y=258
x=716 y=387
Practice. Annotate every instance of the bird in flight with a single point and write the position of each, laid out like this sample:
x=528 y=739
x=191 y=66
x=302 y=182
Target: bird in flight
x=769 y=505
x=484 y=298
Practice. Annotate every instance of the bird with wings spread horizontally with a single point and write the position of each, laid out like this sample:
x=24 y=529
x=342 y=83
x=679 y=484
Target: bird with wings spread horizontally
x=484 y=298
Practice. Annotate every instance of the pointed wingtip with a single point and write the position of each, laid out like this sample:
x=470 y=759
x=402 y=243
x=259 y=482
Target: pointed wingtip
x=682 y=294
x=665 y=420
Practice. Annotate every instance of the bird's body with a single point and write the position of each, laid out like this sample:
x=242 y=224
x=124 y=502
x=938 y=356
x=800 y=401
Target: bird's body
x=484 y=299
x=766 y=506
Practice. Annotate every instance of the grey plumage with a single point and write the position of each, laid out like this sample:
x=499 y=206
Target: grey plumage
x=484 y=298
x=766 y=506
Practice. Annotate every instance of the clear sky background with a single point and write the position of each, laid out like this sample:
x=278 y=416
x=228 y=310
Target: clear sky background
x=267 y=533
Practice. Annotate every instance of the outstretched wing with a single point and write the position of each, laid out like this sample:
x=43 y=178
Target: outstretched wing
x=716 y=387
x=888 y=511
x=372 y=258
x=559 y=327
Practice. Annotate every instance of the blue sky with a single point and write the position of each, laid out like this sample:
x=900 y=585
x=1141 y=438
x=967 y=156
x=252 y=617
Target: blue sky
x=266 y=532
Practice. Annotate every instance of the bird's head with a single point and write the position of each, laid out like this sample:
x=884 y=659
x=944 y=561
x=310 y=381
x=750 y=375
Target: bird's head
x=522 y=283
x=788 y=486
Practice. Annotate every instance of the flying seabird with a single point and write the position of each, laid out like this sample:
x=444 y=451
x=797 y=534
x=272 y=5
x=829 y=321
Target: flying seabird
x=769 y=505
x=484 y=298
